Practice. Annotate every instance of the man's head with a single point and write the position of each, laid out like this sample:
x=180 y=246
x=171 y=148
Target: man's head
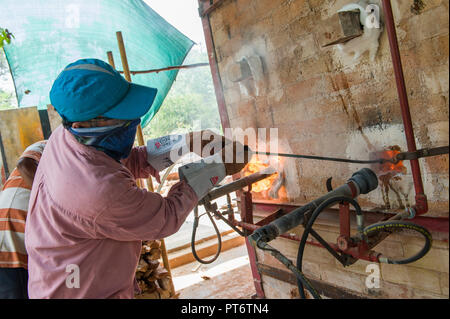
x=99 y=107
x=89 y=88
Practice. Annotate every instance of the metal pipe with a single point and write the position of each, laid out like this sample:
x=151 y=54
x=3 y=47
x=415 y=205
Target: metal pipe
x=361 y=182
x=208 y=6
x=235 y=186
x=214 y=69
x=169 y=68
x=353 y=251
x=421 y=206
x=435 y=224
x=247 y=217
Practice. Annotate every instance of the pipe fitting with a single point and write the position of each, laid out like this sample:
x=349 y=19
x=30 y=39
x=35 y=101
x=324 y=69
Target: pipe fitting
x=421 y=206
x=411 y=212
x=366 y=180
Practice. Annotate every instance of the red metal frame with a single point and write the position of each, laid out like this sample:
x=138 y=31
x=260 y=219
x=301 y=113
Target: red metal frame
x=247 y=217
x=344 y=223
x=205 y=8
x=421 y=206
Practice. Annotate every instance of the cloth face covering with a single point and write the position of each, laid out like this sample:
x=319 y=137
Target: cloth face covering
x=116 y=140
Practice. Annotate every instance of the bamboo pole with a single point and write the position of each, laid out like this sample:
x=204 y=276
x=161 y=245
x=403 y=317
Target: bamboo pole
x=126 y=70
x=112 y=63
x=140 y=136
x=111 y=59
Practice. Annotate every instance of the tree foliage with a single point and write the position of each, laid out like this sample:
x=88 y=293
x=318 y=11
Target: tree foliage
x=7 y=96
x=191 y=103
x=5 y=36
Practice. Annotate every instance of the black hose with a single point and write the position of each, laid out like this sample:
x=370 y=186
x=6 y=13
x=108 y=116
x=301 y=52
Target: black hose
x=315 y=214
x=395 y=225
x=290 y=265
x=194 y=231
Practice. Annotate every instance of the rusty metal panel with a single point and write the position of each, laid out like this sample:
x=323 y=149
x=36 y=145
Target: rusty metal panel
x=19 y=128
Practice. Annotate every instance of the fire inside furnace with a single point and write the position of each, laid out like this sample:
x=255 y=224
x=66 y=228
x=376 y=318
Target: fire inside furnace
x=256 y=165
x=388 y=167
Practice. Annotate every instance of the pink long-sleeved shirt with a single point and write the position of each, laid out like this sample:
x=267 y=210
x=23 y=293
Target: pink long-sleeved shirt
x=87 y=216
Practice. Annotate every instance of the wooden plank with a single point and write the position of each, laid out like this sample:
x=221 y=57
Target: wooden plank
x=198 y=242
x=19 y=128
x=323 y=288
x=205 y=252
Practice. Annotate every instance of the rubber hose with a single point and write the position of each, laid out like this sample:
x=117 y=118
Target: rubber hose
x=194 y=231
x=400 y=224
x=308 y=226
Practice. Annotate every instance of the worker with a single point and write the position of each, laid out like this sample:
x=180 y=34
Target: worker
x=87 y=215
x=14 y=199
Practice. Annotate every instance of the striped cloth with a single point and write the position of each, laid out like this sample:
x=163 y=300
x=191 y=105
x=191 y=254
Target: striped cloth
x=14 y=199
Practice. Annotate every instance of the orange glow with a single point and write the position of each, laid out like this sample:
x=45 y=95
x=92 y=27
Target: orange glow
x=391 y=167
x=255 y=165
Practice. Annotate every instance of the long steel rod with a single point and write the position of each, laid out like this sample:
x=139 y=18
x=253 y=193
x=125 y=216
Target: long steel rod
x=235 y=185
x=323 y=158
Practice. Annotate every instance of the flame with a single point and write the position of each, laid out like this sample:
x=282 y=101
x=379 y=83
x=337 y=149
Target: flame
x=255 y=165
x=391 y=167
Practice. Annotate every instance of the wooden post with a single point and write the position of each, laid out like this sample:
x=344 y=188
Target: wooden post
x=140 y=136
x=112 y=63
x=111 y=59
x=126 y=72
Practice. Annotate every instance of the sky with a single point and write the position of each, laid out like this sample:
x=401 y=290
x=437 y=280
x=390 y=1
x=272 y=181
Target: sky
x=183 y=15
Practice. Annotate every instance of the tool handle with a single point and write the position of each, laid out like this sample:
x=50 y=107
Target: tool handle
x=425 y=152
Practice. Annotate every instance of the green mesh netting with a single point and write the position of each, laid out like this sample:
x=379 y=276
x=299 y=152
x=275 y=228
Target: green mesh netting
x=49 y=34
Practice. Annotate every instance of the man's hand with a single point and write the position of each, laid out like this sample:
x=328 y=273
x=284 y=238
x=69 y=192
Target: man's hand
x=27 y=168
x=206 y=143
x=236 y=158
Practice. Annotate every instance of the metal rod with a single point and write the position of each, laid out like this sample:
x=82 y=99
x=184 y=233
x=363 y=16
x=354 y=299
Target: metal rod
x=322 y=158
x=435 y=224
x=421 y=199
x=235 y=186
x=169 y=68
x=224 y=119
x=208 y=6
x=247 y=217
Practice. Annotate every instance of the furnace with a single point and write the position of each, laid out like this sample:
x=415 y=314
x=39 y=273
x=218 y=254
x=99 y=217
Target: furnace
x=326 y=103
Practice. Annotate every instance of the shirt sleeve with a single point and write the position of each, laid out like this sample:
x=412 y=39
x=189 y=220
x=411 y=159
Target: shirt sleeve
x=138 y=165
x=142 y=215
x=34 y=151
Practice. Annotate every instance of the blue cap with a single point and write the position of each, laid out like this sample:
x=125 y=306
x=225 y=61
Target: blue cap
x=89 y=88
